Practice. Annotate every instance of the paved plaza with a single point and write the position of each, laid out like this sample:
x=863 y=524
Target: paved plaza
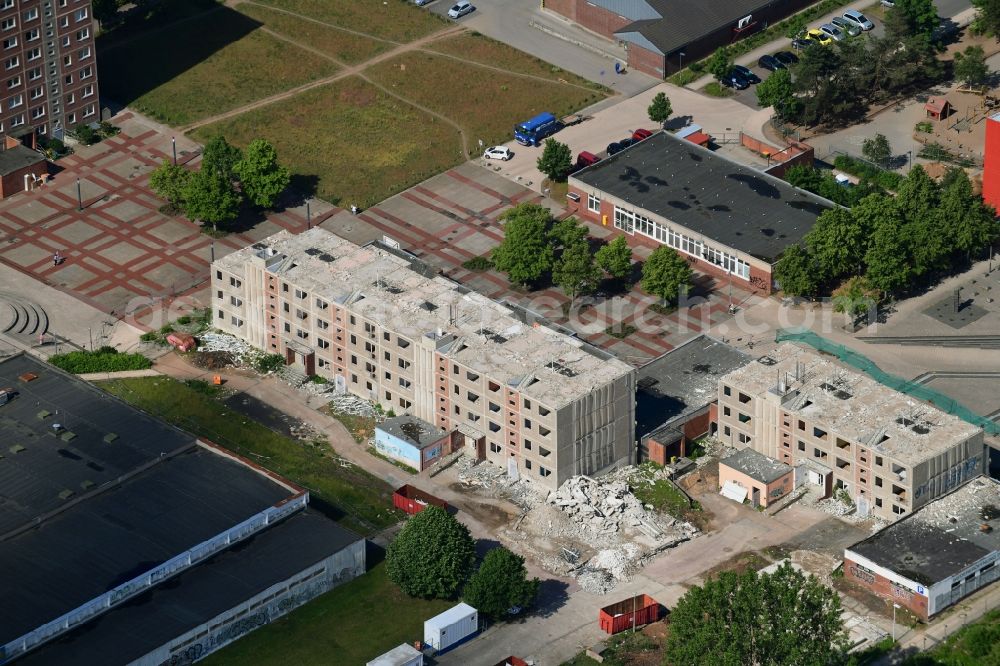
x=120 y=250
x=454 y=217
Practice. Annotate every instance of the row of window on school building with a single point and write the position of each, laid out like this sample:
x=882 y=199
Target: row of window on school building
x=634 y=223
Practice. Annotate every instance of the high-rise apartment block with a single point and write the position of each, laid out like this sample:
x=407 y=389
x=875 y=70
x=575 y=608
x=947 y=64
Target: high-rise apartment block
x=843 y=430
x=48 y=66
x=384 y=326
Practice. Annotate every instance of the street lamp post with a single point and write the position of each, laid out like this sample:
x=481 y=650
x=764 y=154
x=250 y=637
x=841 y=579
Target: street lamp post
x=308 y=215
x=173 y=143
x=894 y=607
x=79 y=196
x=680 y=60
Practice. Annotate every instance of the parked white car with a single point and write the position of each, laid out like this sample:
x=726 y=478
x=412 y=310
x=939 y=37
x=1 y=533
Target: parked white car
x=498 y=153
x=833 y=32
x=858 y=19
x=461 y=8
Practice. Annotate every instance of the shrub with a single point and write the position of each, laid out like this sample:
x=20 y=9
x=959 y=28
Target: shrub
x=269 y=363
x=152 y=336
x=166 y=328
x=716 y=89
x=80 y=362
x=86 y=135
x=184 y=319
x=924 y=126
x=885 y=179
x=478 y=264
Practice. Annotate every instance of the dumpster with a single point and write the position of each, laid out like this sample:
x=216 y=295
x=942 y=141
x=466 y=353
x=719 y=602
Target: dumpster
x=629 y=613
x=414 y=500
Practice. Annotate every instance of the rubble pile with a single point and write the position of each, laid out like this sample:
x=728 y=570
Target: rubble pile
x=493 y=481
x=345 y=403
x=241 y=352
x=595 y=581
x=607 y=506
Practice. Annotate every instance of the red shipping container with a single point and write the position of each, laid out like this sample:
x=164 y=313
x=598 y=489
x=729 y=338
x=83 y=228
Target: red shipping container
x=182 y=341
x=633 y=612
x=512 y=661
x=414 y=500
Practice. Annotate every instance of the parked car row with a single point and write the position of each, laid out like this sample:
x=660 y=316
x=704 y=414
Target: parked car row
x=850 y=24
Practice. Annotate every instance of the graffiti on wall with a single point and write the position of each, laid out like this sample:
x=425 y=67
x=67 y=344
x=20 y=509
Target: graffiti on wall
x=952 y=478
x=861 y=573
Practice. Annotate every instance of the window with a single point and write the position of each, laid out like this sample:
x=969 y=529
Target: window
x=542 y=472
x=29 y=15
x=593 y=203
x=819 y=434
x=726 y=431
x=744 y=439
x=13 y=63
x=527 y=423
x=218 y=294
x=322 y=325
x=726 y=390
x=288 y=327
x=8 y=4
x=322 y=344
x=743 y=398
x=17 y=120
x=36 y=53
x=878 y=481
x=543 y=452
x=284 y=287
x=300 y=294
x=37 y=92
x=16 y=101
x=220 y=315
x=878 y=502
x=37 y=112
x=234 y=301
x=82 y=34
x=726 y=411
x=31 y=35
x=34 y=74
x=527 y=445
x=88 y=90
x=802 y=425
x=67 y=61
x=471 y=376
x=236 y=321
x=878 y=460
x=84 y=53
x=10 y=42
x=354 y=359
x=494 y=427
x=404 y=364
x=527 y=464
x=354 y=339
x=233 y=282
x=495 y=448
x=286 y=307
x=14 y=82
x=403 y=343
x=8 y=23
x=802 y=445
x=80 y=15
x=744 y=418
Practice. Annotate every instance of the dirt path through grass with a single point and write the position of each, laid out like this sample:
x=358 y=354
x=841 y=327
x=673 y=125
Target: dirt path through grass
x=352 y=70
x=463 y=135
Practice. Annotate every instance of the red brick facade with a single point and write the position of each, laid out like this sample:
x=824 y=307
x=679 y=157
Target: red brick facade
x=760 y=279
x=646 y=61
x=591 y=17
x=991 y=163
x=885 y=588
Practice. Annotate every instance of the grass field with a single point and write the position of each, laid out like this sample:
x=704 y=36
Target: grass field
x=361 y=144
x=345 y=46
x=396 y=20
x=485 y=102
x=351 y=624
x=975 y=645
x=199 y=68
x=363 y=500
x=475 y=47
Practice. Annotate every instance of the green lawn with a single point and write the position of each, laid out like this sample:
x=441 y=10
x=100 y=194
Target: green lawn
x=397 y=20
x=363 y=501
x=344 y=46
x=486 y=103
x=975 y=645
x=359 y=143
x=196 y=69
x=351 y=624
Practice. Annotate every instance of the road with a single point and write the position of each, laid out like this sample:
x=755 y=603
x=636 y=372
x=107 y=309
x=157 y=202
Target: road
x=513 y=22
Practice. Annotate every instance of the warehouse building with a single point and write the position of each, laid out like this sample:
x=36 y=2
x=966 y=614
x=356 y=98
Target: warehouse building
x=104 y=504
x=381 y=325
x=727 y=219
x=661 y=36
x=843 y=430
x=936 y=556
x=675 y=397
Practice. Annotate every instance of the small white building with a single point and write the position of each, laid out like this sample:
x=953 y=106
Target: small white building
x=401 y=655
x=451 y=627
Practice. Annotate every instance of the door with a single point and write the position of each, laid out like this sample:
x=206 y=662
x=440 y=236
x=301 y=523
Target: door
x=756 y=497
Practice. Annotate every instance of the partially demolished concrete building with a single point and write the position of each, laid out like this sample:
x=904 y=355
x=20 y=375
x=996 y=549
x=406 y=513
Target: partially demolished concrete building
x=843 y=430
x=384 y=326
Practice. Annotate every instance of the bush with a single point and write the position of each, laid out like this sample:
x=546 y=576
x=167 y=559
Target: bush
x=86 y=135
x=106 y=129
x=477 y=264
x=885 y=179
x=152 y=336
x=716 y=89
x=184 y=319
x=80 y=362
x=269 y=363
x=166 y=328
x=924 y=126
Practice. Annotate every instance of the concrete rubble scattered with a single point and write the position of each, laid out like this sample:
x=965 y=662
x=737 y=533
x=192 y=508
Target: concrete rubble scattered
x=242 y=352
x=345 y=403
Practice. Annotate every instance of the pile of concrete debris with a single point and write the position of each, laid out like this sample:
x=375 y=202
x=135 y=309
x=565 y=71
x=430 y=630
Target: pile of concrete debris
x=606 y=506
x=494 y=481
x=241 y=352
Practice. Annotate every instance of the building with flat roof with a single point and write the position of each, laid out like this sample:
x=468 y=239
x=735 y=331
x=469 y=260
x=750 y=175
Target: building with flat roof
x=727 y=219
x=382 y=325
x=103 y=503
x=936 y=556
x=755 y=476
x=891 y=453
x=676 y=396
x=661 y=36
x=412 y=441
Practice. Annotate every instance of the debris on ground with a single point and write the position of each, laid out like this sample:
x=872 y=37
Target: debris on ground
x=240 y=352
x=213 y=360
x=594 y=529
x=346 y=403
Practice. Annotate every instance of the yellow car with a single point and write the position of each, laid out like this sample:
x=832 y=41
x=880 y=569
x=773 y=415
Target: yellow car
x=819 y=36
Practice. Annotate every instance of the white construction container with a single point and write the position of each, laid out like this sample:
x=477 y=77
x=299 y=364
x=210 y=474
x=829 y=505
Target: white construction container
x=451 y=627
x=402 y=655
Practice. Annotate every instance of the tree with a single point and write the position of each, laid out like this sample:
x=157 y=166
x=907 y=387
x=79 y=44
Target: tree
x=576 y=272
x=221 y=157
x=720 y=63
x=261 y=177
x=526 y=252
x=970 y=66
x=795 y=272
x=169 y=181
x=912 y=17
x=556 y=160
x=777 y=91
x=432 y=556
x=500 y=585
x=763 y=619
x=836 y=244
x=568 y=232
x=987 y=17
x=104 y=10
x=210 y=198
x=666 y=274
x=660 y=110
x=855 y=298
x=969 y=225
x=877 y=149
x=887 y=258
x=615 y=258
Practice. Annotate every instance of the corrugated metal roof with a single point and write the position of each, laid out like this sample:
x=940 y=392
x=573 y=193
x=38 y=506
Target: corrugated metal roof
x=634 y=10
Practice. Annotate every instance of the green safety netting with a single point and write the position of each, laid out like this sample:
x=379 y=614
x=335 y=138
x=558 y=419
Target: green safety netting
x=866 y=365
